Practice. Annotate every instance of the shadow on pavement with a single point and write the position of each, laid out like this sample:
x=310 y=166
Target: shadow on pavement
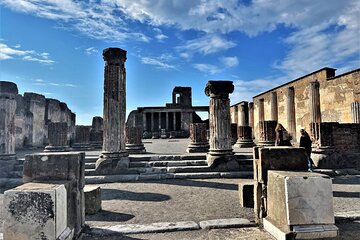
x=347 y=180
x=111 y=194
x=107 y=216
x=194 y=183
x=346 y=194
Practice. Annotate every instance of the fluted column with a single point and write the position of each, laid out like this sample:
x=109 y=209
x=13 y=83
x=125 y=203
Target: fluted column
x=57 y=134
x=198 y=141
x=220 y=132
x=291 y=122
x=114 y=111
x=261 y=110
x=251 y=117
x=243 y=114
x=8 y=93
x=315 y=112
x=355 y=112
x=274 y=106
x=167 y=121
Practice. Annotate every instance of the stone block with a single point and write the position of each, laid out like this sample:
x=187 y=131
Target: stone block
x=92 y=199
x=298 y=203
x=246 y=194
x=35 y=211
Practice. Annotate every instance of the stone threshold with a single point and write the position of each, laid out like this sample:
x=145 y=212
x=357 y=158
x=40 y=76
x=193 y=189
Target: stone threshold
x=159 y=227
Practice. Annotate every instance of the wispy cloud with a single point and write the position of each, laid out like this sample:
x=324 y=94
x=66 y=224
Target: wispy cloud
x=206 y=45
x=207 y=68
x=91 y=50
x=7 y=52
x=41 y=82
x=230 y=61
x=159 y=35
x=157 y=62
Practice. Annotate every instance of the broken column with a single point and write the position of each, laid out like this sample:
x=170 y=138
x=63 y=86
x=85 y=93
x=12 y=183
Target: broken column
x=220 y=152
x=234 y=133
x=134 y=129
x=267 y=133
x=114 y=155
x=57 y=134
x=82 y=138
x=244 y=131
x=290 y=110
x=96 y=132
x=355 y=112
x=198 y=141
x=8 y=93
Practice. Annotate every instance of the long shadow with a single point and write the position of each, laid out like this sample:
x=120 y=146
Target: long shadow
x=346 y=194
x=193 y=183
x=110 y=194
x=107 y=216
x=105 y=234
x=352 y=180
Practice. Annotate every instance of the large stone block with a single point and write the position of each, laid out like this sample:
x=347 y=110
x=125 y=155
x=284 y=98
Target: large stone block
x=35 y=211
x=299 y=200
x=92 y=199
x=246 y=194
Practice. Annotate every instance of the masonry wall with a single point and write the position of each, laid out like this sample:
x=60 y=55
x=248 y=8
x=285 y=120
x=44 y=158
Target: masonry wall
x=336 y=95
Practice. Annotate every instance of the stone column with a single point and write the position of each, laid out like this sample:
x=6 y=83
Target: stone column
x=8 y=93
x=234 y=133
x=114 y=156
x=315 y=112
x=251 y=117
x=152 y=122
x=355 y=112
x=267 y=134
x=134 y=144
x=198 y=141
x=174 y=120
x=243 y=114
x=57 y=134
x=261 y=110
x=220 y=152
x=291 y=122
x=96 y=132
x=167 y=121
x=144 y=122
x=245 y=139
x=274 y=106
x=82 y=138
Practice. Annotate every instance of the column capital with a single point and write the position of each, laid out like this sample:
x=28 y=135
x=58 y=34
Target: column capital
x=114 y=56
x=219 y=89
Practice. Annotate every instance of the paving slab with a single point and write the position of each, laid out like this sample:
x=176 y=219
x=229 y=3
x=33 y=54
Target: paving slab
x=226 y=223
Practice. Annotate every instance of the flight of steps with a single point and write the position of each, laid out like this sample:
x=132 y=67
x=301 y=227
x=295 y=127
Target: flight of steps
x=152 y=167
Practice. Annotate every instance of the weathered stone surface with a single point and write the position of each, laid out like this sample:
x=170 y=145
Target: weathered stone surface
x=267 y=134
x=246 y=194
x=35 y=211
x=57 y=135
x=92 y=199
x=198 y=141
x=225 y=223
x=219 y=120
x=82 y=138
x=244 y=137
x=134 y=130
x=299 y=199
x=114 y=156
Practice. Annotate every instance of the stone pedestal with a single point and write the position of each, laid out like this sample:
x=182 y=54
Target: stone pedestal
x=82 y=138
x=267 y=133
x=198 y=141
x=92 y=199
x=114 y=157
x=35 y=211
x=244 y=137
x=8 y=93
x=134 y=144
x=246 y=194
x=172 y=134
x=57 y=134
x=300 y=204
x=220 y=152
x=61 y=168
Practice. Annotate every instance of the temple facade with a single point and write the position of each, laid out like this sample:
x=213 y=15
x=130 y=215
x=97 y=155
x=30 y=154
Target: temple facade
x=174 y=118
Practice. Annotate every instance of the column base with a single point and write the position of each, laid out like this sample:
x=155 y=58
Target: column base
x=135 y=148
x=222 y=160
x=7 y=164
x=198 y=147
x=163 y=136
x=51 y=148
x=244 y=143
x=266 y=143
x=112 y=162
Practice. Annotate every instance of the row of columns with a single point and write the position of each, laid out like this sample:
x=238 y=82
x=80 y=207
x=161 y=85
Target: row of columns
x=160 y=123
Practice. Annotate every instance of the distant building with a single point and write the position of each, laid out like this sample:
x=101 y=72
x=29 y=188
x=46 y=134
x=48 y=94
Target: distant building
x=174 y=117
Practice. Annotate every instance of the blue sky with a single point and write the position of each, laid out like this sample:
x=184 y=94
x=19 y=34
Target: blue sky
x=54 y=47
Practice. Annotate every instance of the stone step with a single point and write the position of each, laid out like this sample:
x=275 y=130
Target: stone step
x=168 y=157
x=89 y=165
x=91 y=159
x=168 y=163
x=244 y=156
x=19 y=167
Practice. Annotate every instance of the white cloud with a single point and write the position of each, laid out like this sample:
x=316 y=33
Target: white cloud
x=158 y=62
x=207 y=68
x=230 y=61
x=7 y=52
x=206 y=45
x=90 y=50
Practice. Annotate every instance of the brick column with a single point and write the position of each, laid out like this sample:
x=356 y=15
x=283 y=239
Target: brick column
x=315 y=112
x=290 y=110
x=57 y=134
x=220 y=151
x=113 y=152
x=8 y=93
x=274 y=106
x=355 y=112
x=198 y=141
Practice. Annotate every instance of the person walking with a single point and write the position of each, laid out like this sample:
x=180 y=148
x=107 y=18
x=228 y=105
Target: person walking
x=282 y=136
x=306 y=142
